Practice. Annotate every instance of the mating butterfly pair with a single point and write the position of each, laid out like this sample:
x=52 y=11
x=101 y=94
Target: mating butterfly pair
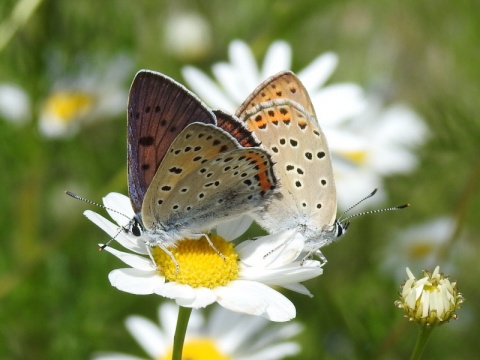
x=190 y=168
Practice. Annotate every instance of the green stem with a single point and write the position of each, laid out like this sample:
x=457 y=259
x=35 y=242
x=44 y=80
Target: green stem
x=21 y=13
x=180 y=331
x=422 y=339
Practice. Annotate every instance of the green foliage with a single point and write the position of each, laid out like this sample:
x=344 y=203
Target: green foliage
x=56 y=301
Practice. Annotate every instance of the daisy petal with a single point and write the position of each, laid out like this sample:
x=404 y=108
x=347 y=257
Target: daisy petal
x=135 y=261
x=278 y=58
x=318 y=71
x=167 y=317
x=339 y=102
x=244 y=63
x=130 y=242
x=150 y=337
x=136 y=281
x=114 y=356
x=298 y=288
x=291 y=273
x=271 y=352
x=228 y=77
x=256 y=299
x=234 y=228
x=203 y=298
x=232 y=334
x=206 y=89
x=119 y=208
x=110 y=228
x=176 y=291
x=272 y=250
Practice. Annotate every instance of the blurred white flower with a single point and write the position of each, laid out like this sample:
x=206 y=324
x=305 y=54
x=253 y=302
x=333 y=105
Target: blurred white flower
x=420 y=247
x=14 y=104
x=235 y=80
x=367 y=141
x=240 y=281
x=187 y=36
x=93 y=96
x=224 y=335
x=380 y=142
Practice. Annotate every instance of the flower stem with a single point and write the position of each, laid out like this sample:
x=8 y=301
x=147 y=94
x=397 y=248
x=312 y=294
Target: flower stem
x=180 y=331
x=422 y=339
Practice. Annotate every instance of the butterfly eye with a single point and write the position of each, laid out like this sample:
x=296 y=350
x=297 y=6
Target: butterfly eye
x=136 y=228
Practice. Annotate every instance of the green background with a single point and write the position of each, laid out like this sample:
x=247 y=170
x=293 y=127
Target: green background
x=55 y=298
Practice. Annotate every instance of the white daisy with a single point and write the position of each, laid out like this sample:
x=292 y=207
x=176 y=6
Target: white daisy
x=235 y=80
x=421 y=246
x=241 y=281
x=367 y=142
x=92 y=96
x=223 y=335
x=14 y=104
x=384 y=144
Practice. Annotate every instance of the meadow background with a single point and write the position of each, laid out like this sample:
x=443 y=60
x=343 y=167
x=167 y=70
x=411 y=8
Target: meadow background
x=55 y=298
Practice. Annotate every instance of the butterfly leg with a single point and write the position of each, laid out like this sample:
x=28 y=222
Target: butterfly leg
x=323 y=260
x=214 y=248
x=199 y=236
x=168 y=252
x=278 y=247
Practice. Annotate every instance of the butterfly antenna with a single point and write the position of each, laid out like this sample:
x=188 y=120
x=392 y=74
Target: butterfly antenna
x=75 y=196
x=340 y=218
x=377 y=211
x=343 y=220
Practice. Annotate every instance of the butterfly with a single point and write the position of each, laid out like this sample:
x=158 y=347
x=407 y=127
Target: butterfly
x=185 y=173
x=281 y=117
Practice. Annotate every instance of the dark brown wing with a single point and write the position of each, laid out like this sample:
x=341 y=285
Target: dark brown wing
x=159 y=108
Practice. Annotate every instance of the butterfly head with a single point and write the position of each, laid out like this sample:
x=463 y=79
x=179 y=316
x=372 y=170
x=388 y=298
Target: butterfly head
x=136 y=226
x=341 y=228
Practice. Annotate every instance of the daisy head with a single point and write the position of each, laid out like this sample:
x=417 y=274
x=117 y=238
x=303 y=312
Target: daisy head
x=94 y=95
x=431 y=300
x=422 y=246
x=221 y=335
x=195 y=275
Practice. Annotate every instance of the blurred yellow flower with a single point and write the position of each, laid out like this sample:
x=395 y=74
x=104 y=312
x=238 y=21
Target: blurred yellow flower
x=94 y=95
x=220 y=336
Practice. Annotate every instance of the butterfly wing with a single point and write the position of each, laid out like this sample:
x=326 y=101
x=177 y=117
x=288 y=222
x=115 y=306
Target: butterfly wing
x=159 y=108
x=206 y=178
x=283 y=85
x=235 y=128
x=290 y=132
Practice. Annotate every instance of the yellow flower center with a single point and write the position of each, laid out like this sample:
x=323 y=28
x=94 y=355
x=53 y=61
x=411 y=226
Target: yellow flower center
x=357 y=157
x=420 y=250
x=199 y=264
x=67 y=106
x=199 y=349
